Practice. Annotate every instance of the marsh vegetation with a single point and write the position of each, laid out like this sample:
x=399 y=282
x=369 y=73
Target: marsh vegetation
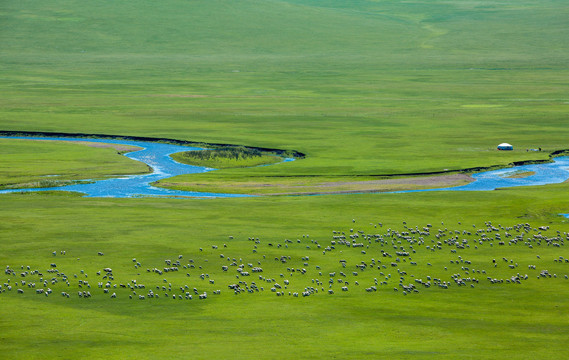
x=226 y=157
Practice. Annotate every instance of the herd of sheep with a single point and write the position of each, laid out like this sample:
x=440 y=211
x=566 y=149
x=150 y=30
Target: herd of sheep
x=374 y=259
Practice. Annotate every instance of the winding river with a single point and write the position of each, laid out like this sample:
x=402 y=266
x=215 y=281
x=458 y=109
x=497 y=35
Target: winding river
x=531 y=175
x=156 y=155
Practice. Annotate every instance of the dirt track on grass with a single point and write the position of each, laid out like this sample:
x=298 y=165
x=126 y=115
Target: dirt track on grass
x=374 y=186
x=439 y=181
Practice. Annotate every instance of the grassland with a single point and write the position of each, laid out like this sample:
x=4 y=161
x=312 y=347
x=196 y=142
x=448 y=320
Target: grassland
x=372 y=89
x=29 y=164
x=482 y=322
x=365 y=89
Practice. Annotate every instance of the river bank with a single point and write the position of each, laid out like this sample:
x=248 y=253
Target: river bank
x=173 y=179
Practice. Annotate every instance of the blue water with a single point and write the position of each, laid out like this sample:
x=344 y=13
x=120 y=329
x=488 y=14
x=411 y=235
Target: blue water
x=548 y=173
x=156 y=155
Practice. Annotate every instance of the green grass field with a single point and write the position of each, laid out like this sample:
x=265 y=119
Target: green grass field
x=370 y=88
x=29 y=164
x=364 y=89
x=478 y=322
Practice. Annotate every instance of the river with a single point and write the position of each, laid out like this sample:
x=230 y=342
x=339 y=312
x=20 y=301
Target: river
x=156 y=155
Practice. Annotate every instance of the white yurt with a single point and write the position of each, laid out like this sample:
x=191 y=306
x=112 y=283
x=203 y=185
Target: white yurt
x=505 y=146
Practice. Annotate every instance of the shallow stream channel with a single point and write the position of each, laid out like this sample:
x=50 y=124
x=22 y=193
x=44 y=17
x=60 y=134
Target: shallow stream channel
x=154 y=154
x=157 y=156
x=523 y=175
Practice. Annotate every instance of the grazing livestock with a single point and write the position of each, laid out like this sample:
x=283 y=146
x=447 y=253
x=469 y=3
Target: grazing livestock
x=424 y=242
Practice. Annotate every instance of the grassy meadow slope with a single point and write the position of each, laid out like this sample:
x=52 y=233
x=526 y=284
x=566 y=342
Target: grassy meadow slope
x=51 y=163
x=362 y=87
x=485 y=322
